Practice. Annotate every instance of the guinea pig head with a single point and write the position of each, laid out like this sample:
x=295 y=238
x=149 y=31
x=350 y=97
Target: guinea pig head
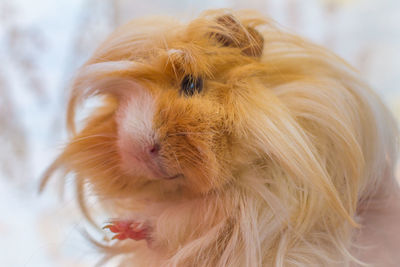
x=175 y=124
x=168 y=114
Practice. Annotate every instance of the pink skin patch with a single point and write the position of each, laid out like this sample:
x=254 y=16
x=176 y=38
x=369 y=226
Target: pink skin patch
x=128 y=230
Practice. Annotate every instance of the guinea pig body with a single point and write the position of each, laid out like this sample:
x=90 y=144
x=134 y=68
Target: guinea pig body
x=227 y=142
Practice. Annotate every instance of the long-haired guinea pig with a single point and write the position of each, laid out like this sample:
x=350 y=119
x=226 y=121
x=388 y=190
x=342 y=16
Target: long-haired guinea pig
x=226 y=142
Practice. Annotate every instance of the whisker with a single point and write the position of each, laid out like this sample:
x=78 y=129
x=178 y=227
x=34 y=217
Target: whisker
x=110 y=157
x=190 y=133
x=177 y=161
x=93 y=136
x=107 y=145
x=112 y=169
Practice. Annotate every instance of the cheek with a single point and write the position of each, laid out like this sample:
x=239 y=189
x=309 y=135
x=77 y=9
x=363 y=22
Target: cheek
x=198 y=162
x=194 y=145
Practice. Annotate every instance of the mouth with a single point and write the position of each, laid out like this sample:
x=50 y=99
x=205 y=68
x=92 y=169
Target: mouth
x=158 y=172
x=176 y=176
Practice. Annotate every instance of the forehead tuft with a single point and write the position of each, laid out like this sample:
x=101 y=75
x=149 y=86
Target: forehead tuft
x=187 y=59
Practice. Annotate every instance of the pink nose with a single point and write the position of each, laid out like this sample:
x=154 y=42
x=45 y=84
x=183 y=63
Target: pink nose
x=154 y=149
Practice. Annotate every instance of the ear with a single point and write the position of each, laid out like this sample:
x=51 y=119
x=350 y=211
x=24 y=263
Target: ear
x=230 y=32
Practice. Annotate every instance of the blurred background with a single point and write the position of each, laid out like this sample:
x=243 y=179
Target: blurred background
x=43 y=42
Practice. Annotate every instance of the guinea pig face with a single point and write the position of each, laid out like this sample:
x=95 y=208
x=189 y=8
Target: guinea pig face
x=173 y=133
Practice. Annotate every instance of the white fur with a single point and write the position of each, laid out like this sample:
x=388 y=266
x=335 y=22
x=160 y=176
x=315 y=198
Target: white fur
x=135 y=132
x=137 y=118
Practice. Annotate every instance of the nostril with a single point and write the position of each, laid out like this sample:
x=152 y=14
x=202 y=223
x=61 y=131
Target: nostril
x=154 y=149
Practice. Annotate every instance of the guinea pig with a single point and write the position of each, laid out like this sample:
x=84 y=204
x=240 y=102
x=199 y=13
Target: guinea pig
x=226 y=141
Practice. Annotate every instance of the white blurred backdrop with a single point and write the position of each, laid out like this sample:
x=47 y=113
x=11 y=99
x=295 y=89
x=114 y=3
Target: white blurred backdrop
x=43 y=42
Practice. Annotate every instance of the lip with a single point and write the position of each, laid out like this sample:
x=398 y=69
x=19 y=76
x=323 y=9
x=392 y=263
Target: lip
x=174 y=176
x=160 y=173
x=154 y=169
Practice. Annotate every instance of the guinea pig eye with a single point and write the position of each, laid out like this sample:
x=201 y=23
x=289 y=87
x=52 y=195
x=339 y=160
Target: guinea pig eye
x=191 y=85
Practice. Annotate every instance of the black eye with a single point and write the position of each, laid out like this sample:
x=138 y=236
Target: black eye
x=191 y=85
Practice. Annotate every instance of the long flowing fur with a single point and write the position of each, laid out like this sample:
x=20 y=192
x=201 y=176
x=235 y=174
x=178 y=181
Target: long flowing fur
x=277 y=153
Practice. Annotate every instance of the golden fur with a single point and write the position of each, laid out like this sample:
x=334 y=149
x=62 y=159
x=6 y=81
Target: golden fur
x=277 y=152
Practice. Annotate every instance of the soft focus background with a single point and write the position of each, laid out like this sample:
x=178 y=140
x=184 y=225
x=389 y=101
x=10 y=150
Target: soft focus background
x=42 y=43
